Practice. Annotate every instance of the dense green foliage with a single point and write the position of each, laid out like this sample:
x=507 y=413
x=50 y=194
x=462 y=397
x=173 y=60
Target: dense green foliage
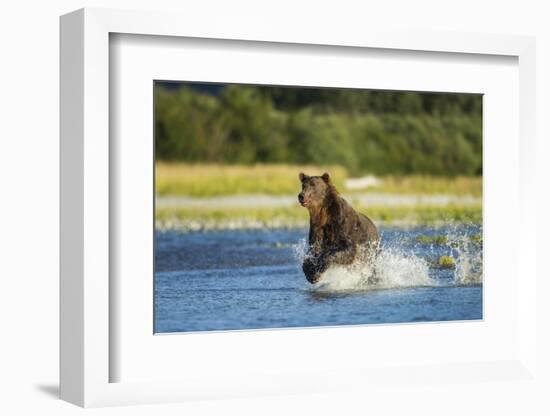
x=364 y=131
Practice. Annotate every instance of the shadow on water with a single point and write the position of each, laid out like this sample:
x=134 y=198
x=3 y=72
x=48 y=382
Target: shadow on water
x=321 y=296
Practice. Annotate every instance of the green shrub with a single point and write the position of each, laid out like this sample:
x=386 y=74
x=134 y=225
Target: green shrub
x=384 y=133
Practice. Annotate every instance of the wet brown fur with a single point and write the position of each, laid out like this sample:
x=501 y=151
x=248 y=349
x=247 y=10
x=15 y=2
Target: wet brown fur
x=336 y=230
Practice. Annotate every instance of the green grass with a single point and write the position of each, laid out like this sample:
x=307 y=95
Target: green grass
x=446 y=262
x=438 y=240
x=443 y=240
x=426 y=214
x=206 y=180
x=209 y=180
x=429 y=185
x=477 y=238
x=182 y=217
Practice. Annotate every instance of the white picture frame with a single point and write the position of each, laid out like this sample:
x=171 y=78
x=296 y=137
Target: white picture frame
x=87 y=356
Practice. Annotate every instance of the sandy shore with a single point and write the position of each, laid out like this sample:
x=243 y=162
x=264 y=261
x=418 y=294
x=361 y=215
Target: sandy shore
x=275 y=201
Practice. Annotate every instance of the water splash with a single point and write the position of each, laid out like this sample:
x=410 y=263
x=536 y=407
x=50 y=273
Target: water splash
x=389 y=269
x=300 y=250
x=468 y=257
x=397 y=266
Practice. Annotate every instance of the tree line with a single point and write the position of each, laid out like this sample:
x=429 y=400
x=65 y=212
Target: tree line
x=379 y=132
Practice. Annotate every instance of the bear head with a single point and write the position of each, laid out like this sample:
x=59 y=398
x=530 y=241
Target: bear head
x=314 y=190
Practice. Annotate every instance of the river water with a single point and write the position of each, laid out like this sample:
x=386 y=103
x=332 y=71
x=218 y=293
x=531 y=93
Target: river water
x=252 y=279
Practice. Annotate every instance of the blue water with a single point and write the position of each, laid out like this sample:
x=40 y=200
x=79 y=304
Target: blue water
x=242 y=279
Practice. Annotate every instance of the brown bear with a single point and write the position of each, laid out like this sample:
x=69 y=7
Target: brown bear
x=337 y=233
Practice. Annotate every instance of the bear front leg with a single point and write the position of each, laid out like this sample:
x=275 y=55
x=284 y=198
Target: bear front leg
x=313 y=267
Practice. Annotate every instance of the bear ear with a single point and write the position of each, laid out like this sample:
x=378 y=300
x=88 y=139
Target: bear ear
x=326 y=177
x=302 y=176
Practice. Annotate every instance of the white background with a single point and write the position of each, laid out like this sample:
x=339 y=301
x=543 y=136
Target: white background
x=29 y=205
x=137 y=61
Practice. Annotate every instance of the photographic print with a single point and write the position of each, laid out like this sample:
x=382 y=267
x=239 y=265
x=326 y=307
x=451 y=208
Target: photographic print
x=289 y=207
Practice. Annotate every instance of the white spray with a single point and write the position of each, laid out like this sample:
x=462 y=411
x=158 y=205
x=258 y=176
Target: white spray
x=389 y=269
x=394 y=267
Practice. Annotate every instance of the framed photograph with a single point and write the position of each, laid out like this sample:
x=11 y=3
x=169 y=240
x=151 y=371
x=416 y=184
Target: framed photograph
x=244 y=239
x=267 y=213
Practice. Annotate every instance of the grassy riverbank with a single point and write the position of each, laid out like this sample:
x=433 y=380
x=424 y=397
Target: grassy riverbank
x=206 y=180
x=285 y=217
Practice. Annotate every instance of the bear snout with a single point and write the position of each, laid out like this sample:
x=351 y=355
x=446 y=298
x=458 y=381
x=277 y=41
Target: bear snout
x=301 y=198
